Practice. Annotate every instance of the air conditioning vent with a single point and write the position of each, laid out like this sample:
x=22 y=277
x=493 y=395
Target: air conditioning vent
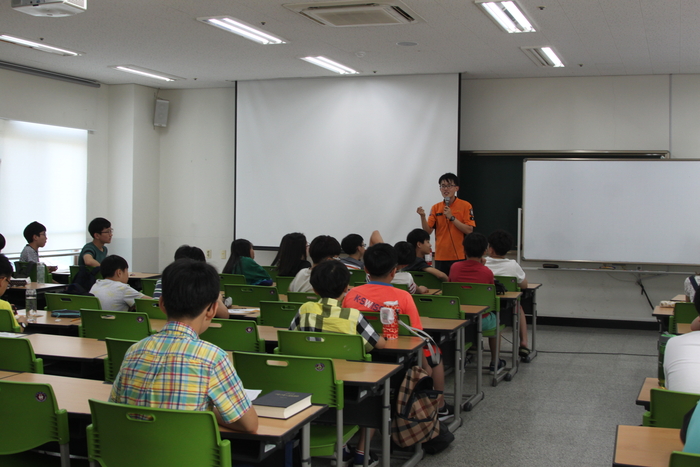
x=52 y=8
x=354 y=14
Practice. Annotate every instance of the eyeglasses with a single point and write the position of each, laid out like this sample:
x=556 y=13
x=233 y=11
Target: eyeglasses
x=108 y=231
x=447 y=186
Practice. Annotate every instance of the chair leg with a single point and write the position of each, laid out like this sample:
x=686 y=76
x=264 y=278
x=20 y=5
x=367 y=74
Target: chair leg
x=65 y=455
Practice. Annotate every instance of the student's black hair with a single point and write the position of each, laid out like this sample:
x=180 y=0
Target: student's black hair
x=351 y=243
x=192 y=252
x=189 y=288
x=501 y=242
x=475 y=245
x=97 y=225
x=290 y=255
x=450 y=178
x=405 y=253
x=5 y=267
x=2 y=242
x=380 y=259
x=330 y=279
x=323 y=247
x=239 y=248
x=696 y=302
x=111 y=264
x=32 y=229
x=417 y=236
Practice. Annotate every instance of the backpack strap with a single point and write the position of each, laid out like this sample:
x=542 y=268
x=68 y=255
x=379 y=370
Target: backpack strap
x=429 y=342
x=694 y=282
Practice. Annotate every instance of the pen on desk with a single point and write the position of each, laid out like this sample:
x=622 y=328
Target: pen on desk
x=74 y=320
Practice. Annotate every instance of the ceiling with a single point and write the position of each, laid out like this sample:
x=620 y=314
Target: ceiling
x=593 y=38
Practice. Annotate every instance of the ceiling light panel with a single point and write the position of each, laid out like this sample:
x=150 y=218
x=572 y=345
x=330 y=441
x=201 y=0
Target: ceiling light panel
x=38 y=46
x=242 y=29
x=145 y=72
x=543 y=56
x=331 y=65
x=507 y=15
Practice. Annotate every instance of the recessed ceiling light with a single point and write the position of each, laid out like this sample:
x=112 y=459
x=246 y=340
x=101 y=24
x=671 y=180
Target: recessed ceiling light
x=243 y=29
x=507 y=15
x=543 y=56
x=38 y=46
x=137 y=70
x=331 y=65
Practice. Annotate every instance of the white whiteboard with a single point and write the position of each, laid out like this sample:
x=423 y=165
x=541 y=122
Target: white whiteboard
x=341 y=155
x=612 y=211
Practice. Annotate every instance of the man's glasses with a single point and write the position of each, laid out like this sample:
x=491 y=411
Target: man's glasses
x=108 y=231
x=447 y=186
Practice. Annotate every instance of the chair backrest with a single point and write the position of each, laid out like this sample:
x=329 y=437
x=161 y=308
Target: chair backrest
x=234 y=334
x=72 y=271
x=100 y=324
x=357 y=275
x=373 y=319
x=250 y=295
x=282 y=283
x=302 y=297
x=31 y=417
x=438 y=306
x=116 y=349
x=150 y=307
x=401 y=286
x=226 y=279
x=17 y=354
x=322 y=344
x=7 y=322
x=314 y=375
x=272 y=271
x=473 y=294
x=684 y=459
x=148 y=286
x=62 y=301
x=667 y=408
x=684 y=312
x=509 y=282
x=278 y=314
x=28 y=268
x=127 y=435
x=426 y=279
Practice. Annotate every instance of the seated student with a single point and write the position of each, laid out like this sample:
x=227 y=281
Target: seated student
x=174 y=369
x=93 y=253
x=114 y=291
x=380 y=263
x=192 y=252
x=35 y=234
x=2 y=242
x=5 y=277
x=291 y=257
x=354 y=246
x=690 y=286
x=322 y=248
x=682 y=358
x=420 y=239
x=407 y=255
x=500 y=242
x=473 y=270
x=241 y=262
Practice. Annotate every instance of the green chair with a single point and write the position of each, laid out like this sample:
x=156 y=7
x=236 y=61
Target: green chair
x=401 y=286
x=62 y=301
x=234 y=334
x=126 y=436
x=302 y=374
x=683 y=312
x=272 y=271
x=282 y=283
x=150 y=307
x=374 y=321
x=302 y=297
x=28 y=269
x=116 y=349
x=426 y=279
x=17 y=354
x=226 y=279
x=475 y=294
x=322 y=344
x=148 y=286
x=667 y=408
x=438 y=306
x=7 y=322
x=250 y=295
x=73 y=270
x=101 y=324
x=357 y=275
x=684 y=459
x=509 y=282
x=278 y=314
x=31 y=418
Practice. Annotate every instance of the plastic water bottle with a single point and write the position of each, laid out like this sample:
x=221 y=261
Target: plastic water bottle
x=41 y=273
x=390 y=320
x=30 y=304
x=429 y=259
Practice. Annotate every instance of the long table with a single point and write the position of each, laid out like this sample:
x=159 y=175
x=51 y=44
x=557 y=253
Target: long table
x=645 y=446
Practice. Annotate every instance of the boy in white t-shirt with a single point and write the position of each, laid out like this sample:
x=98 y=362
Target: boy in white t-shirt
x=407 y=255
x=500 y=242
x=114 y=292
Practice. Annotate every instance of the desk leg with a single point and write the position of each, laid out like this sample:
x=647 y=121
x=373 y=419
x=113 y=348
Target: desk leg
x=306 y=445
x=533 y=351
x=478 y=394
x=386 y=426
x=516 y=338
x=459 y=376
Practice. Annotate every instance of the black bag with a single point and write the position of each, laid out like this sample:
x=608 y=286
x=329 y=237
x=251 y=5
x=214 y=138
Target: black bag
x=441 y=441
x=500 y=288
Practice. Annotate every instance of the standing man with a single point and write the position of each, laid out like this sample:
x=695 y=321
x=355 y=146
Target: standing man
x=451 y=220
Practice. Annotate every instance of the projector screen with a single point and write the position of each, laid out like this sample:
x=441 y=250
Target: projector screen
x=342 y=155
x=611 y=211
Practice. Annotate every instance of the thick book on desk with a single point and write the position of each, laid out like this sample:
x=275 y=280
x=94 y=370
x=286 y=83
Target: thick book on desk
x=281 y=404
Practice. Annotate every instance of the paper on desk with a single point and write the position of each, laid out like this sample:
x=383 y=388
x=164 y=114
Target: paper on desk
x=253 y=393
x=241 y=311
x=11 y=334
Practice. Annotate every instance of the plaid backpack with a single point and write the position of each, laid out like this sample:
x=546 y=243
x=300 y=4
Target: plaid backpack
x=416 y=417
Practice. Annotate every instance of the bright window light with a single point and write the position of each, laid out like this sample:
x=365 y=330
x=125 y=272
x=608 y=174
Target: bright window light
x=328 y=64
x=146 y=72
x=552 y=56
x=242 y=29
x=38 y=46
x=507 y=15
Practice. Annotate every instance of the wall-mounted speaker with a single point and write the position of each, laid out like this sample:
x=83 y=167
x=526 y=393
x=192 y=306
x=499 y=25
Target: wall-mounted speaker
x=160 y=114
